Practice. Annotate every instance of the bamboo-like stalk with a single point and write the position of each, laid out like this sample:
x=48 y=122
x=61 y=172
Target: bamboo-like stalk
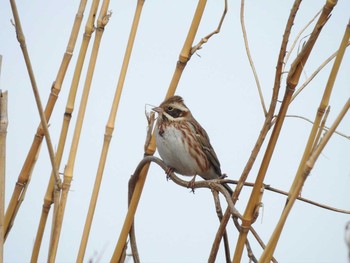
x=292 y=81
x=28 y=166
x=185 y=55
x=68 y=171
x=50 y=192
x=109 y=132
x=265 y=128
x=21 y=40
x=309 y=157
x=3 y=133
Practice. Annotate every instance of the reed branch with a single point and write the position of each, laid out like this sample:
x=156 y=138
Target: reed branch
x=185 y=53
x=314 y=74
x=3 y=133
x=292 y=80
x=290 y=51
x=251 y=62
x=21 y=39
x=23 y=178
x=301 y=178
x=102 y=21
x=205 y=39
x=310 y=156
x=220 y=215
x=52 y=195
x=267 y=123
x=109 y=131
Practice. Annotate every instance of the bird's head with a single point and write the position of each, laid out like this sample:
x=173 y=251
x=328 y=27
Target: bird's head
x=173 y=109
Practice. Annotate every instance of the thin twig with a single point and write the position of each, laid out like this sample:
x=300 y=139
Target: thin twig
x=216 y=31
x=251 y=62
x=326 y=128
x=290 y=51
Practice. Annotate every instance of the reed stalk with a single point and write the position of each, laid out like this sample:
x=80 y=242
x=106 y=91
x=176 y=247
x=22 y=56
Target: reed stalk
x=3 y=133
x=310 y=156
x=68 y=171
x=265 y=128
x=29 y=163
x=51 y=192
x=292 y=81
x=21 y=40
x=184 y=56
x=109 y=132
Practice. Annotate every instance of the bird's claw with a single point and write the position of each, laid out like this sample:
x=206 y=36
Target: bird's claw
x=168 y=171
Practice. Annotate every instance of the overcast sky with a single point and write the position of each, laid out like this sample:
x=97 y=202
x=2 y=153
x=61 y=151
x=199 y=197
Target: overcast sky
x=172 y=224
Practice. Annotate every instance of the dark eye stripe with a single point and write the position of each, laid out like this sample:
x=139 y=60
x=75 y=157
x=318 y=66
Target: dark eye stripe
x=175 y=113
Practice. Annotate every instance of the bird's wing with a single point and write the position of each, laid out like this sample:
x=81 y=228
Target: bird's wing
x=204 y=140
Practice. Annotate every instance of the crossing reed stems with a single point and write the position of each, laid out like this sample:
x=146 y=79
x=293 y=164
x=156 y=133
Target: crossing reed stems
x=43 y=118
x=3 y=133
x=310 y=156
x=51 y=192
x=68 y=171
x=29 y=163
x=184 y=56
x=109 y=132
x=292 y=81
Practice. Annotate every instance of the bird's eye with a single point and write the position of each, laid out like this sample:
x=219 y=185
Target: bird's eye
x=170 y=108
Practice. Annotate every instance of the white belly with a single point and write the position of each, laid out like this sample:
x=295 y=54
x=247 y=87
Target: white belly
x=175 y=153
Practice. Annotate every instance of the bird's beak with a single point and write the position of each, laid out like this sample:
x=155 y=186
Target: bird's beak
x=158 y=109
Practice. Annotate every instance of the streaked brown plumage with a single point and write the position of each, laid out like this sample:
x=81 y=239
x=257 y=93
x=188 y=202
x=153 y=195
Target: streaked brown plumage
x=183 y=144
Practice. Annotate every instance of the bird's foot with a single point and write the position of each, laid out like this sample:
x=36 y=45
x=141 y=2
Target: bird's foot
x=169 y=171
x=191 y=184
x=223 y=176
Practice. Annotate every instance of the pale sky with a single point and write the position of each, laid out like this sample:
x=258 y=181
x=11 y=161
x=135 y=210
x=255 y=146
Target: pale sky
x=173 y=225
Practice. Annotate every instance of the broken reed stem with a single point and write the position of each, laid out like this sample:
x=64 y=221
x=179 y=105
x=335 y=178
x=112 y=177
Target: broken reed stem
x=68 y=171
x=22 y=181
x=184 y=56
x=3 y=133
x=109 y=131
x=292 y=81
x=309 y=157
x=21 y=40
x=52 y=195
x=250 y=59
x=267 y=123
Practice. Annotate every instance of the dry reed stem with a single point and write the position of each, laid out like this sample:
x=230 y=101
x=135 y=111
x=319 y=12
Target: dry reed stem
x=309 y=157
x=185 y=53
x=250 y=59
x=220 y=216
x=267 y=123
x=109 y=131
x=184 y=56
x=52 y=195
x=205 y=39
x=21 y=39
x=68 y=172
x=292 y=81
x=3 y=133
x=301 y=178
x=32 y=154
x=290 y=51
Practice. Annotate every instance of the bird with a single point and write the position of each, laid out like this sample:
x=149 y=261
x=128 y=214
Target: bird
x=183 y=144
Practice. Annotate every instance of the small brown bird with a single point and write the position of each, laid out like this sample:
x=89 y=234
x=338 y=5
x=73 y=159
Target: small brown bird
x=183 y=144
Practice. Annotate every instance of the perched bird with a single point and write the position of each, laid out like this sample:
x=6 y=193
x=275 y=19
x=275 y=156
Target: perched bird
x=183 y=144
